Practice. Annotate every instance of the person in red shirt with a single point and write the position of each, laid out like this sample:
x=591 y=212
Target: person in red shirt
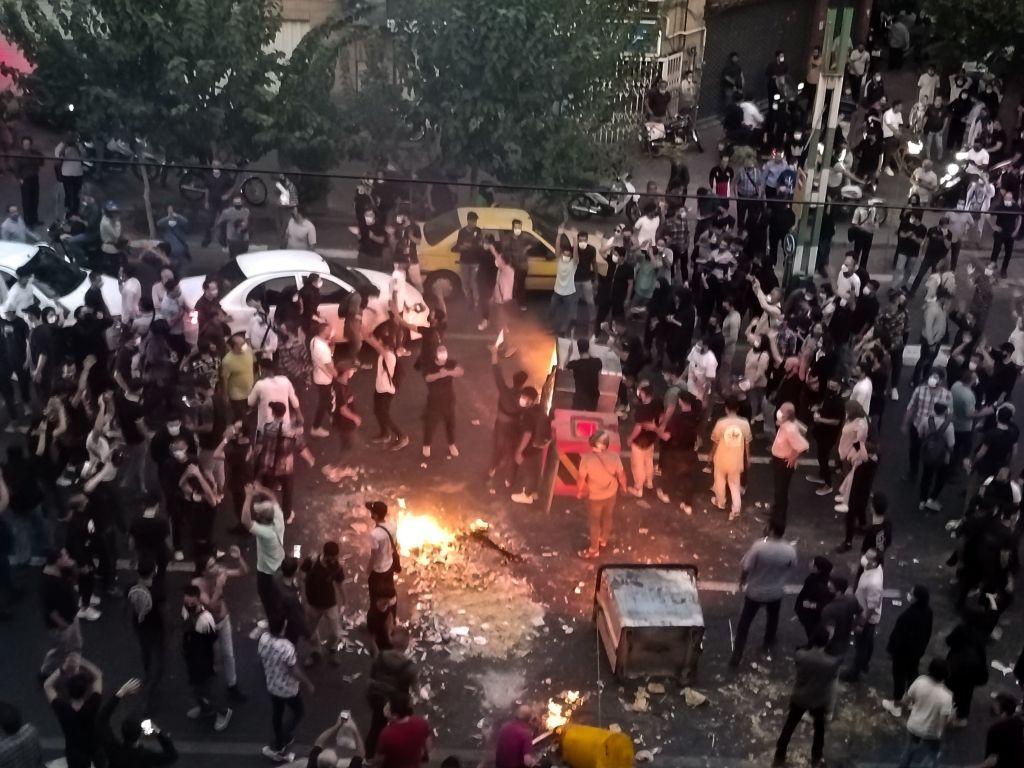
x=405 y=741
x=514 y=748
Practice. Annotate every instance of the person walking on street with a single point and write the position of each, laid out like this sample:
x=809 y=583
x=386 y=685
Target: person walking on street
x=919 y=410
x=263 y=518
x=731 y=437
x=392 y=673
x=931 y=710
x=60 y=610
x=907 y=644
x=787 y=448
x=764 y=573
x=968 y=669
x=1006 y=218
x=284 y=677
x=815 y=594
x=869 y=596
x=324 y=580
x=198 y=639
x=1004 y=741
x=126 y=751
x=26 y=169
x=385 y=560
x=146 y=611
x=812 y=692
x=601 y=478
x=211 y=577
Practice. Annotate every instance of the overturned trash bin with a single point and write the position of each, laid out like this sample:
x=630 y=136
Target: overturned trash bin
x=649 y=619
x=586 y=747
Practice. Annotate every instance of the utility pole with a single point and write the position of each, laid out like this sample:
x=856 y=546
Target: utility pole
x=834 y=52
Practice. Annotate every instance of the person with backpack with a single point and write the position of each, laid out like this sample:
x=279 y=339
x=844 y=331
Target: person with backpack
x=386 y=384
x=385 y=560
x=921 y=406
x=937 y=443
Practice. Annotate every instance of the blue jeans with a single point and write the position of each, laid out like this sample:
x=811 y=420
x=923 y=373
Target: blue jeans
x=562 y=312
x=925 y=750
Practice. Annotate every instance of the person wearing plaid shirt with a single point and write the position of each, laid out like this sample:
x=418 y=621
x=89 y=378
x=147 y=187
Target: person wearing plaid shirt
x=275 y=455
x=19 y=741
x=921 y=406
x=676 y=231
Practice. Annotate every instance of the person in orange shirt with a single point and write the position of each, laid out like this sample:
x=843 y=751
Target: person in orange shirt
x=789 y=445
x=731 y=437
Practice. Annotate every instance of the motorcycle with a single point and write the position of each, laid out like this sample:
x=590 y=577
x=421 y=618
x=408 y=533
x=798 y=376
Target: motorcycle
x=953 y=183
x=119 y=154
x=621 y=200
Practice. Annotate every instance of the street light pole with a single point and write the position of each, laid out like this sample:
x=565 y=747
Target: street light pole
x=834 y=53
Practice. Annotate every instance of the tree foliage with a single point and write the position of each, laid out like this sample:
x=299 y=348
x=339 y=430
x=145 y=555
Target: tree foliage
x=188 y=75
x=518 y=89
x=975 y=30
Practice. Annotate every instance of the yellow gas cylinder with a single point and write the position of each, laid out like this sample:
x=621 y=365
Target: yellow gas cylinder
x=586 y=747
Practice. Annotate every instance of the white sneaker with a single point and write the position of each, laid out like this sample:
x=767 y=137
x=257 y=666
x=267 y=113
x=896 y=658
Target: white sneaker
x=482 y=326
x=178 y=555
x=842 y=507
x=272 y=754
x=194 y=713
x=426 y=451
x=687 y=509
x=523 y=498
x=453 y=451
x=889 y=172
x=892 y=708
x=94 y=600
x=319 y=432
x=222 y=720
x=662 y=496
x=895 y=394
x=89 y=613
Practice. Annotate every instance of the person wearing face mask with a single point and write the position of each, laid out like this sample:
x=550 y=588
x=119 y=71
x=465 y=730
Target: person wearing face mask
x=828 y=418
x=439 y=376
x=219 y=187
x=235 y=220
x=236 y=451
x=869 y=594
x=514 y=246
x=373 y=239
x=172 y=228
x=848 y=281
x=585 y=256
x=788 y=446
x=600 y=480
x=1006 y=225
x=933 y=334
x=909 y=237
x=920 y=408
x=564 y=298
x=534 y=436
x=907 y=644
x=937 y=444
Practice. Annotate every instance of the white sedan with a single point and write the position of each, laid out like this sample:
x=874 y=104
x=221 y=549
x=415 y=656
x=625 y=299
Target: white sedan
x=56 y=281
x=264 y=275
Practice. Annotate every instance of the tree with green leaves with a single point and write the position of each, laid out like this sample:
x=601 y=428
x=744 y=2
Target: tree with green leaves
x=976 y=30
x=194 y=78
x=518 y=90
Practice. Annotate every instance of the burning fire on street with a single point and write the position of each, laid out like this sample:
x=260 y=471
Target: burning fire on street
x=559 y=711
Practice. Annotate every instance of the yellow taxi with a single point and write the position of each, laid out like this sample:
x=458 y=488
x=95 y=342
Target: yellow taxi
x=441 y=264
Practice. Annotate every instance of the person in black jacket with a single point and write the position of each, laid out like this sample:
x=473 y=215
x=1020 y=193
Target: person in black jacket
x=968 y=668
x=126 y=751
x=814 y=595
x=907 y=644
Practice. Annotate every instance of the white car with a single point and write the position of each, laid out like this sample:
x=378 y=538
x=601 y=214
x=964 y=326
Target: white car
x=57 y=282
x=265 y=274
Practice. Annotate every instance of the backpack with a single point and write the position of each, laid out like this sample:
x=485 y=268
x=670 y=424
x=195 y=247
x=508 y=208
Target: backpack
x=934 y=451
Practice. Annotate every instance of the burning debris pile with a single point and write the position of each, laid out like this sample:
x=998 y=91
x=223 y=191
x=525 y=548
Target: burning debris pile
x=466 y=602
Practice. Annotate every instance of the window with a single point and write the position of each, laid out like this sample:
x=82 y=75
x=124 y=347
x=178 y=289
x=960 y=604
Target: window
x=290 y=35
x=439 y=227
x=269 y=291
x=333 y=292
x=535 y=249
x=54 y=275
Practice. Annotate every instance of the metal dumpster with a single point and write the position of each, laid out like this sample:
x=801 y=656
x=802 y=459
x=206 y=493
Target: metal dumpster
x=649 y=619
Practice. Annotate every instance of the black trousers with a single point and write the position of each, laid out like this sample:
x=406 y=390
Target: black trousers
x=914 y=446
x=435 y=414
x=1001 y=242
x=30 y=200
x=962 y=696
x=382 y=412
x=825 y=438
x=151 y=646
x=783 y=475
x=771 y=625
x=377 y=722
x=285 y=731
x=266 y=588
x=324 y=405
x=863 y=648
x=933 y=480
x=904 y=672
x=503 y=442
x=861 y=245
x=519 y=287
x=796 y=713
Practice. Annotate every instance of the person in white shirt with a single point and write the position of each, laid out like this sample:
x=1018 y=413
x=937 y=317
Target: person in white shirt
x=272 y=387
x=960 y=220
x=564 y=299
x=131 y=295
x=869 y=597
x=701 y=370
x=383 y=555
x=385 y=387
x=857 y=66
x=260 y=334
x=927 y=83
x=14 y=230
x=752 y=117
x=862 y=389
x=892 y=127
x=323 y=379
x=20 y=296
x=646 y=227
x=977 y=159
x=978 y=200
x=299 y=234
x=924 y=182
x=931 y=710
x=848 y=281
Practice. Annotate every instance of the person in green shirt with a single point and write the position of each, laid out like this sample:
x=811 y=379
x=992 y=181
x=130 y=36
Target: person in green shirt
x=236 y=373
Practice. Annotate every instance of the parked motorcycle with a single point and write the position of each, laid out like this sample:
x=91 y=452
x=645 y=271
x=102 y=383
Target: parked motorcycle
x=118 y=155
x=621 y=200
